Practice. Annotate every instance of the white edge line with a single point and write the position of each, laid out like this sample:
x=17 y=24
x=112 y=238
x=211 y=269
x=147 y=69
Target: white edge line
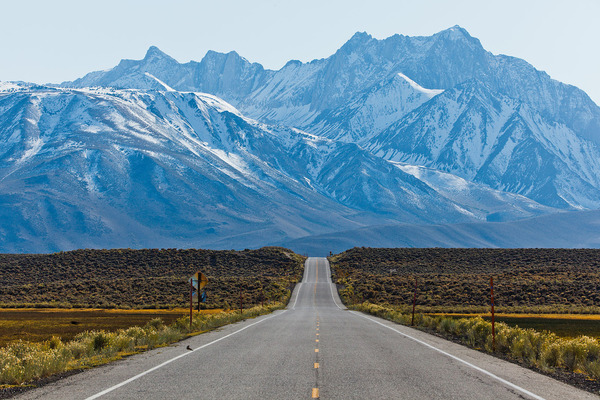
x=110 y=389
x=298 y=285
x=504 y=381
x=331 y=284
x=333 y=298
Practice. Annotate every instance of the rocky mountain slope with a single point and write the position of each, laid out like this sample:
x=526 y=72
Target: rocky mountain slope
x=96 y=167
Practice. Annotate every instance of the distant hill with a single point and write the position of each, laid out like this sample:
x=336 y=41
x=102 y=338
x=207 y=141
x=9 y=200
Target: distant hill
x=563 y=230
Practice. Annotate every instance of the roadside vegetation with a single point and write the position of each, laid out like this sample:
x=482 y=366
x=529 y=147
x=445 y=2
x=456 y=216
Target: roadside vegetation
x=22 y=362
x=41 y=324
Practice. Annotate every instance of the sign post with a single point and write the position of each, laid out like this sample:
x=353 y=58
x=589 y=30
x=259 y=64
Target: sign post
x=191 y=295
x=197 y=282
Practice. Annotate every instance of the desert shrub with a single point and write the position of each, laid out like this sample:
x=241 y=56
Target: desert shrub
x=122 y=342
x=23 y=361
x=574 y=352
x=156 y=323
x=551 y=355
x=54 y=343
x=100 y=341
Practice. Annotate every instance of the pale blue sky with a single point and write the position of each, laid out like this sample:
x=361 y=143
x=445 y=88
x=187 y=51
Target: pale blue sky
x=53 y=41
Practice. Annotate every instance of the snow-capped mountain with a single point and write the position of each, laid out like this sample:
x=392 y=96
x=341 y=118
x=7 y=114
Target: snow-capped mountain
x=492 y=139
x=96 y=167
x=223 y=153
x=372 y=112
x=299 y=92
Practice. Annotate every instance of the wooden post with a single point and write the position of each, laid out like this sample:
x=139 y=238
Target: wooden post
x=199 y=295
x=493 y=325
x=241 y=302
x=191 y=304
x=412 y=322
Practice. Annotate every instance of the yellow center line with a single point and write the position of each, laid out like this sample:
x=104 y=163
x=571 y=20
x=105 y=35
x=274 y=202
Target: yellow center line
x=316 y=350
x=315 y=393
x=317 y=340
x=317 y=278
x=316 y=365
x=317 y=334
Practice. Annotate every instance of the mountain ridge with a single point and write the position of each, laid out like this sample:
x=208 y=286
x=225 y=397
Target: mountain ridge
x=405 y=130
x=396 y=53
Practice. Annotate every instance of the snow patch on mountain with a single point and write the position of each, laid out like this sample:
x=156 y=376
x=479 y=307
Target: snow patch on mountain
x=164 y=85
x=429 y=92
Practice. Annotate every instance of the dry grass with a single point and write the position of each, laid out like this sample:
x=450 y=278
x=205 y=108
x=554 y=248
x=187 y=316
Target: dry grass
x=22 y=362
x=562 y=325
x=585 y=317
x=37 y=325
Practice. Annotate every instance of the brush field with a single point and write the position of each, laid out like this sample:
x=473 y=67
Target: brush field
x=458 y=280
x=150 y=278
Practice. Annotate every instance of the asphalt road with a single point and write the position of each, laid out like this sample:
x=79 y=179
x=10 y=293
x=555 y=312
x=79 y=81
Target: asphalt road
x=315 y=348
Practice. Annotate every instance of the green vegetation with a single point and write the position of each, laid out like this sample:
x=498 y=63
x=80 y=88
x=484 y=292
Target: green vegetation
x=22 y=362
x=150 y=278
x=457 y=280
x=543 y=350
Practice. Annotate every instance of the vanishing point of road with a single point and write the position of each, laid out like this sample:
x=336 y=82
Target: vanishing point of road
x=313 y=349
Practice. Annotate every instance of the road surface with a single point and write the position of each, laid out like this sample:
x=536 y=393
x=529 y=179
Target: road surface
x=313 y=349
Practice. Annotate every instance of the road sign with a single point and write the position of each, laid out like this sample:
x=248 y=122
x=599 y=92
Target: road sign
x=198 y=281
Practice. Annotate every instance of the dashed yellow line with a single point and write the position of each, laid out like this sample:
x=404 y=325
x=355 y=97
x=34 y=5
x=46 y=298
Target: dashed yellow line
x=316 y=350
x=317 y=340
x=317 y=278
x=316 y=365
x=315 y=393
